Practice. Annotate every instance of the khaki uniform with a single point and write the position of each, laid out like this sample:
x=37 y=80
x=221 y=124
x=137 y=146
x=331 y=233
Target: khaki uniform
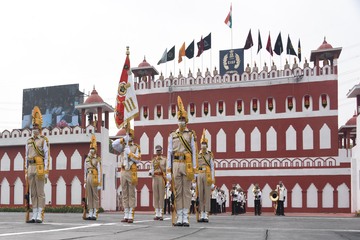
x=158 y=170
x=37 y=167
x=92 y=177
x=177 y=155
x=128 y=178
x=206 y=178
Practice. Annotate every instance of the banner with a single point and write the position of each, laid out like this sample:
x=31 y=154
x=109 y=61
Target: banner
x=231 y=61
x=126 y=106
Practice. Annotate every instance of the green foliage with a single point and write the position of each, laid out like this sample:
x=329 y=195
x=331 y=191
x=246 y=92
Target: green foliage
x=49 y=209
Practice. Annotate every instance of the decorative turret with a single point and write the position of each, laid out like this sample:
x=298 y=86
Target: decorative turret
x=325 y=53
x=94 y=106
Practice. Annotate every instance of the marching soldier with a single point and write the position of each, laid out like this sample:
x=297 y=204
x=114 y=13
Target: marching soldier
x=181 y=165
x=257 y=199
x=37 y=166
x=234 y=193
x=92 y=179
x=280 y=188
x=157 y=171
x=193 y=200
x=167 y=199
x=130 y=155
x=213 y=201
x=206 y=178
x=240 y=201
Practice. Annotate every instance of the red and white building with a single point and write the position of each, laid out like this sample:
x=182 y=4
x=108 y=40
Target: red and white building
x=262 y=128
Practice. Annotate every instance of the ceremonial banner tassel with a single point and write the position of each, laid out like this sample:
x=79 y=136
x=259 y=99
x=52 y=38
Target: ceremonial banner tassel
x=126 y=106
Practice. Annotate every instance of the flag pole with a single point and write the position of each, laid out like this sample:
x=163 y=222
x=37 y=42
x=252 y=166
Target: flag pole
x=184 y=67
x=210 y=60
x=251 y=55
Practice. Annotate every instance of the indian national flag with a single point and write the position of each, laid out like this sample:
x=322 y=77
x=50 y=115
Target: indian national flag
x=228 y=19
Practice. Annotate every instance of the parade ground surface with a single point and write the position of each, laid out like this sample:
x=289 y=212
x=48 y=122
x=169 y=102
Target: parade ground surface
x=222 y=226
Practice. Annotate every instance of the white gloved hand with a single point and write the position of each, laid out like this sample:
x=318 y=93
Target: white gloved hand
x=151 y=172
x=212 y=186
x=168 y=176
x=98 y=188
x=127 y=150
x=46 y=176
x=85 y=185
x=194 y=185
x=195 y=175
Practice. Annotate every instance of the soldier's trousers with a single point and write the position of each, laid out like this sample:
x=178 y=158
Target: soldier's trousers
x=158 y=191
x=128 y=189
x=204 y=191
x=36 y=187
x=92 y=193
x=182 y=186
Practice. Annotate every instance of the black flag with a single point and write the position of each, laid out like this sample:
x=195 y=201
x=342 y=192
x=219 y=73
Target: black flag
x=249 y=41
x=289 y=47
x=207 y=42
x=299 y=51
x=189 y=52
x=278 y=48
x=170 y=54
x=259 y=43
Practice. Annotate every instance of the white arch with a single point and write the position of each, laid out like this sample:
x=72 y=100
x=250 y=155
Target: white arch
x=255 y=140
x=250 y=196
x=5 y=163
x=343 y=196
x=144 y=143
x=312 y=196
x=325 y=137
x=18 y=191
x=19 y=162
x=145 y=197
x=221 y=141
x=48 y=192
x=266 y=202
x=327 y=196
x=76 y=191
x=308 y=138
x=240 y=141
x=271 y=139
x=296 y=196
x=159 y=140
x=290 y=138
x=5 y=192
x=61 y=192
x=61 y=161
x=76 y=160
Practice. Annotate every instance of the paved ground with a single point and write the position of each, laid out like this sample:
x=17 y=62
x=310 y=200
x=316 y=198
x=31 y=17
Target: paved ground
x=222 y=226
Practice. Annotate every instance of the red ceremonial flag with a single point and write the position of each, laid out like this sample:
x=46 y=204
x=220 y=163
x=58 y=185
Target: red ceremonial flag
x=200 y=47
x=126 y=106
x=268 y=46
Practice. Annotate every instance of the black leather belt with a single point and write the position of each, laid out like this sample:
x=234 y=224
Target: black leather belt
x=179 y=157
x=31 y=161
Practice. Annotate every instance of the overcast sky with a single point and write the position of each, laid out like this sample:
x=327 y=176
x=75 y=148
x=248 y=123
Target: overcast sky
x=48 y=43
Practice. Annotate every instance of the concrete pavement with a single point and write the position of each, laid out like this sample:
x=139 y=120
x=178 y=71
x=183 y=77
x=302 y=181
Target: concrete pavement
x=222 y=226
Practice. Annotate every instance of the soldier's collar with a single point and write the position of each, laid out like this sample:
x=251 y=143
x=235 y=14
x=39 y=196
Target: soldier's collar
x=185 y=130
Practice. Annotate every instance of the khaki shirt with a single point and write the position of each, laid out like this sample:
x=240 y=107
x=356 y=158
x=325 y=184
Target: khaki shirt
x=42 y=144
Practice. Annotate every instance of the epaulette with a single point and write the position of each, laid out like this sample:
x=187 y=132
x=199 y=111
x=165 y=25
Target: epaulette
x=45 y=138
x=193 y=132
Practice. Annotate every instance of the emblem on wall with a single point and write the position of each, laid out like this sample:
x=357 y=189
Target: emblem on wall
x=231 y=61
